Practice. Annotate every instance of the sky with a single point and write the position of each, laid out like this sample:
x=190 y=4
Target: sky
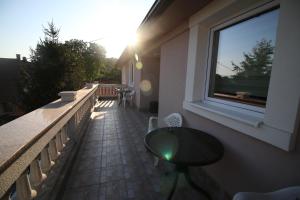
x=241 y=38
x=111 y=22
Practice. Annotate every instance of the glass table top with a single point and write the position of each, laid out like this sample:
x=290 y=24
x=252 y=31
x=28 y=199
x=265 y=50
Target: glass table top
x=184 y=146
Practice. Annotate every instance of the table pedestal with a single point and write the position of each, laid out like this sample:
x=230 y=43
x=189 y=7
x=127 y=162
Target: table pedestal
x=184 y=170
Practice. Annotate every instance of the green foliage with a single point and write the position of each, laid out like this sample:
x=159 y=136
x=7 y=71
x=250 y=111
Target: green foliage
x=252 y=74
x=95 y=61
x=110 y=73
x=51 y=33
x=57 y=66
x=256 y=63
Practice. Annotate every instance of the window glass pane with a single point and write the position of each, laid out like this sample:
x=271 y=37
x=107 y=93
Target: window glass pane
x=242 y=60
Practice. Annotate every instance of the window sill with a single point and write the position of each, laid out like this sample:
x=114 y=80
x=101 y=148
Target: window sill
x=246 y=124
x=234 y=115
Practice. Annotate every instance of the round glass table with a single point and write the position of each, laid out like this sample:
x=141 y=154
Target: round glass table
x=184 y=147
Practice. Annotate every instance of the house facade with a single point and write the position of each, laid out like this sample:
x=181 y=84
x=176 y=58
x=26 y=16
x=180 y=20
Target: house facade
x=9 y=80
x=196 y=58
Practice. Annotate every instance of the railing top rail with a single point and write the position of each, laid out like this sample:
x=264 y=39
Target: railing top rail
x=104 y=84
x=19 y=134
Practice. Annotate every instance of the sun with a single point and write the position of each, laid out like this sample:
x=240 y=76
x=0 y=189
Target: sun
x=132 y=39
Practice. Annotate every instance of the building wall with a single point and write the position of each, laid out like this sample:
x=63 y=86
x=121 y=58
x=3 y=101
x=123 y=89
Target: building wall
x=9 y=76
x=124 y=74
x=150 y=72
x=248 y=164
x=136 y=80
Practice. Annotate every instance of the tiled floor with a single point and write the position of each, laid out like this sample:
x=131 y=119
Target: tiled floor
x=112 y=162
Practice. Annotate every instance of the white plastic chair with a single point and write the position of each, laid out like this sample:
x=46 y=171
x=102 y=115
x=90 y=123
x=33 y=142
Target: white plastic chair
x=131 y=96
x=172 y=120
x=128 y=97
x=289 y=193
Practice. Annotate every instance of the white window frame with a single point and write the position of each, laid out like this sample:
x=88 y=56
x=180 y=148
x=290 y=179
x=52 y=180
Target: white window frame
x=276 y=124
x=255 y=110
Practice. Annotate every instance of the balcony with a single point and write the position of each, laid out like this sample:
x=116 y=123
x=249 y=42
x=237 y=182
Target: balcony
x=87 y=149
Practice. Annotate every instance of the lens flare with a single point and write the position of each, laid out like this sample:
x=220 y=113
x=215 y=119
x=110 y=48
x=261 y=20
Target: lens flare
x=139 y=65
x=145 y=86
x=136 y=57
x=168 y=155
x=133 y=40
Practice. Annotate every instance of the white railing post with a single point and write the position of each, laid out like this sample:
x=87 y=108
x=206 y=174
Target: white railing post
x=64 y=136
x=58 y=142
x=23 y=188
x=36 y=174
x=46 y=162
x=6 y=196
x=53 y=150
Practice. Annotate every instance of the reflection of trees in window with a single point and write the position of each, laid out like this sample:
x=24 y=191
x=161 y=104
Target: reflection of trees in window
x=252 y=75
x=256 y=63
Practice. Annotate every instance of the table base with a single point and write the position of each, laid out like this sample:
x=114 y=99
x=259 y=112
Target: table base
x=185 y=171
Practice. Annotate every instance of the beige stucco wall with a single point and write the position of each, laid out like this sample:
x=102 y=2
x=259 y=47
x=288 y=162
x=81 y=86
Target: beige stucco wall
x=124 y=74
x=136 y=80
x=137 y=74
x=248 y=164
x=150 y=72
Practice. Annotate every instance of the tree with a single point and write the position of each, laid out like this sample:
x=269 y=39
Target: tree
x=46 y=73
x=57 y=66
x=256 y=63
x=110 y=73
x=94 y=61
x=54 y=67
x=74 y=69
x=51 y=33
x=253 y=73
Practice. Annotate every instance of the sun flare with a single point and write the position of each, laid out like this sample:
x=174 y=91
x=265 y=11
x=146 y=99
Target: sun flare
x=132 y=39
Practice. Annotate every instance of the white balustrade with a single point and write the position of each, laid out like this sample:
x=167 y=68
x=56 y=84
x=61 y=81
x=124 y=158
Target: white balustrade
x=58 y=142
x=64 y=136
x=47 y=142
x=36 y=174
x=46 y=162
x=53 y=150
x=6 y=196
x=23 y=188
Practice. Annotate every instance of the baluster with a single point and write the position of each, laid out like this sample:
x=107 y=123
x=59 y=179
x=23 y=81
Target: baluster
x=53 y=150
x=36 y=175
x=7 y=195
x=66 y=133
x=46 y=162
x=23 y=188
x=59 y=144
x=64 y=136
x=77 y=118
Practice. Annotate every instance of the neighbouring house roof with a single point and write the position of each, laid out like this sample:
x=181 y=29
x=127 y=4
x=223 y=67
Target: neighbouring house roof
x=163 y=17
x=9 y=75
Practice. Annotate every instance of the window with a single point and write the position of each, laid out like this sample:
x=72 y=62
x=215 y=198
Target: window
x=242 y=68
x=241 y=61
